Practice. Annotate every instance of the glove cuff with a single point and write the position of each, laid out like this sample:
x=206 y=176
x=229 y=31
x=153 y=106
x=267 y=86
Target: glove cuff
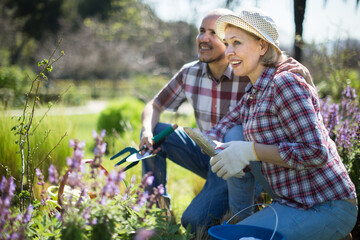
x=256 y=156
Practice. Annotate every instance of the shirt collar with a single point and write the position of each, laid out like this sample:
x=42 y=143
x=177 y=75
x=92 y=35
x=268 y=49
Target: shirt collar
x=263 y=80
x=205 y=71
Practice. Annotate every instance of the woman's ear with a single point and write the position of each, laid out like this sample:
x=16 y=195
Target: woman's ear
x=264 y=46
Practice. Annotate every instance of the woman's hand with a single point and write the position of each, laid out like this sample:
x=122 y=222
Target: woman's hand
x=234 y=157
x=294 y=66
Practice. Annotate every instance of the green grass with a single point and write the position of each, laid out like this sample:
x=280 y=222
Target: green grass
x=47 y=135
x=83 y=124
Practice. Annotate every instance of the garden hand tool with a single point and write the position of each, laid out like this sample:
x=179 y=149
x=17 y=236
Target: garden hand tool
x=134 y=155
x=210 y=148
x=206 y=144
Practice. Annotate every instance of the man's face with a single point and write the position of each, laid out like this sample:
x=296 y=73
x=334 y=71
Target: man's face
x=210 y=48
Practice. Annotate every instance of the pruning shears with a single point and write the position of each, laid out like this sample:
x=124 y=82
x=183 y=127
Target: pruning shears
x=134 y=155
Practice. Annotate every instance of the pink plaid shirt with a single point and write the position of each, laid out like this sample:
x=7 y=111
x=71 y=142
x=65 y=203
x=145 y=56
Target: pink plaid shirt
x=283 y=110
x=210 y=99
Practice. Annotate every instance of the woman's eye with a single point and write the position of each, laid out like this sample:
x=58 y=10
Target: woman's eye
x=237 y=43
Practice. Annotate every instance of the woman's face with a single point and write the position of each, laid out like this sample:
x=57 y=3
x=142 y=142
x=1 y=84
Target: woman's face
x=243 y=52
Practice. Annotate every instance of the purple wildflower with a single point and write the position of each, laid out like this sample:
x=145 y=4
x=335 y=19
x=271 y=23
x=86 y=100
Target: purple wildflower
x=71 y=143
x=81 y=145
x=83 y=194
x=103 y=200
x=93 y=221
x=103 y=133
x=111 y=188
x=28 y=214
x=144 y=196
x=149 y=180
x=58 y=216
x=78 y=154
x=144 y=234
x=53 y=175
x=40 y=177
x=100 y=148
x=343 y=121
x=94 y=134
x=161 y=189
x=7 y=190
x=136 y=208
x=14 y=235
x=86 y=214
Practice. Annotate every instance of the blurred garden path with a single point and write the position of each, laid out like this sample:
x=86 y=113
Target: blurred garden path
x=91 y=107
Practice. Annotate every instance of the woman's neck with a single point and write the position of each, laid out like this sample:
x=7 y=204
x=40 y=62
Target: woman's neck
x=254 y=76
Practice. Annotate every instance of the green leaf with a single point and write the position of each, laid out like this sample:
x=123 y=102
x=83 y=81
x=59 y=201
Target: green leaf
x=49 y=68
x=43 y=62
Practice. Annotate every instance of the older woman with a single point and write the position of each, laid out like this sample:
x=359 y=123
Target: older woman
x=283 y=129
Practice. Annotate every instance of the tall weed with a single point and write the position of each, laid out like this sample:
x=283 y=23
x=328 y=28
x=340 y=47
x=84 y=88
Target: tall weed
x=46 y=137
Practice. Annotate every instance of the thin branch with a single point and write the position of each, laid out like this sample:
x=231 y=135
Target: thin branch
x=47 y=156
x=49 y=108
x=24 y=135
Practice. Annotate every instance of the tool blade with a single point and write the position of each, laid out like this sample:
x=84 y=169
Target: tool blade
x=137 y=156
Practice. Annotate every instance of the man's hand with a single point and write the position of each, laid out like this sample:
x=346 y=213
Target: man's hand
x=294 y=66
x=146 y=140
x=234 y=157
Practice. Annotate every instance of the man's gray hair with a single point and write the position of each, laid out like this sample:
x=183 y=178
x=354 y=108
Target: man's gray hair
x=219 y=12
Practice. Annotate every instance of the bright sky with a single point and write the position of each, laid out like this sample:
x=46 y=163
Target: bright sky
x=338 y=19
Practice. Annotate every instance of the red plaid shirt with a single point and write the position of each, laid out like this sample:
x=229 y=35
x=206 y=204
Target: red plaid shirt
x=282 y=109
x=210 y=99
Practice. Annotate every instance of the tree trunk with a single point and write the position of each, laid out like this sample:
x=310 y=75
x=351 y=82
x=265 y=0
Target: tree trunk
x=299 y=14
x=16 y=52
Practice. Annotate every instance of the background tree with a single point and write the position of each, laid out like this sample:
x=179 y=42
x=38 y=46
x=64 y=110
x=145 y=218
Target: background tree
x=37 y=18
x=299 y=15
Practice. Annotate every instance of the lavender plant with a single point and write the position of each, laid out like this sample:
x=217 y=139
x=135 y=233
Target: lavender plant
x=99 y=205
x=343 y=123
x=12 y=221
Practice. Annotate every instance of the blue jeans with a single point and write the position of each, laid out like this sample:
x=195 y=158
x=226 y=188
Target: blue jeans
x=212 y=203
x=242 y=192
x=328 y=220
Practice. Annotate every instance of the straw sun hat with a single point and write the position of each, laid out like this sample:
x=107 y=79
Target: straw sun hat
x=251 y=20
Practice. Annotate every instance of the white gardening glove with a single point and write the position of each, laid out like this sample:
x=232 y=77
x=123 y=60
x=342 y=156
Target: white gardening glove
x=234 y=157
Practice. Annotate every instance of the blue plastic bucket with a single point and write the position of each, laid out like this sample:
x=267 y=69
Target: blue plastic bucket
x=235 y=232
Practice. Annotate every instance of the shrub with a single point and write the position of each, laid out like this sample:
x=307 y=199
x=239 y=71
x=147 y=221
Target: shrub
x=121 y=120
x=15 y=80
x=121 y=116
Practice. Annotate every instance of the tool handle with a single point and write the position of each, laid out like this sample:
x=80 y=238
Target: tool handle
x=162 y=135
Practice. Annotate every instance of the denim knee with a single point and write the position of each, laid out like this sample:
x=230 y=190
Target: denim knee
x=189 y=220
x=196 y=223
